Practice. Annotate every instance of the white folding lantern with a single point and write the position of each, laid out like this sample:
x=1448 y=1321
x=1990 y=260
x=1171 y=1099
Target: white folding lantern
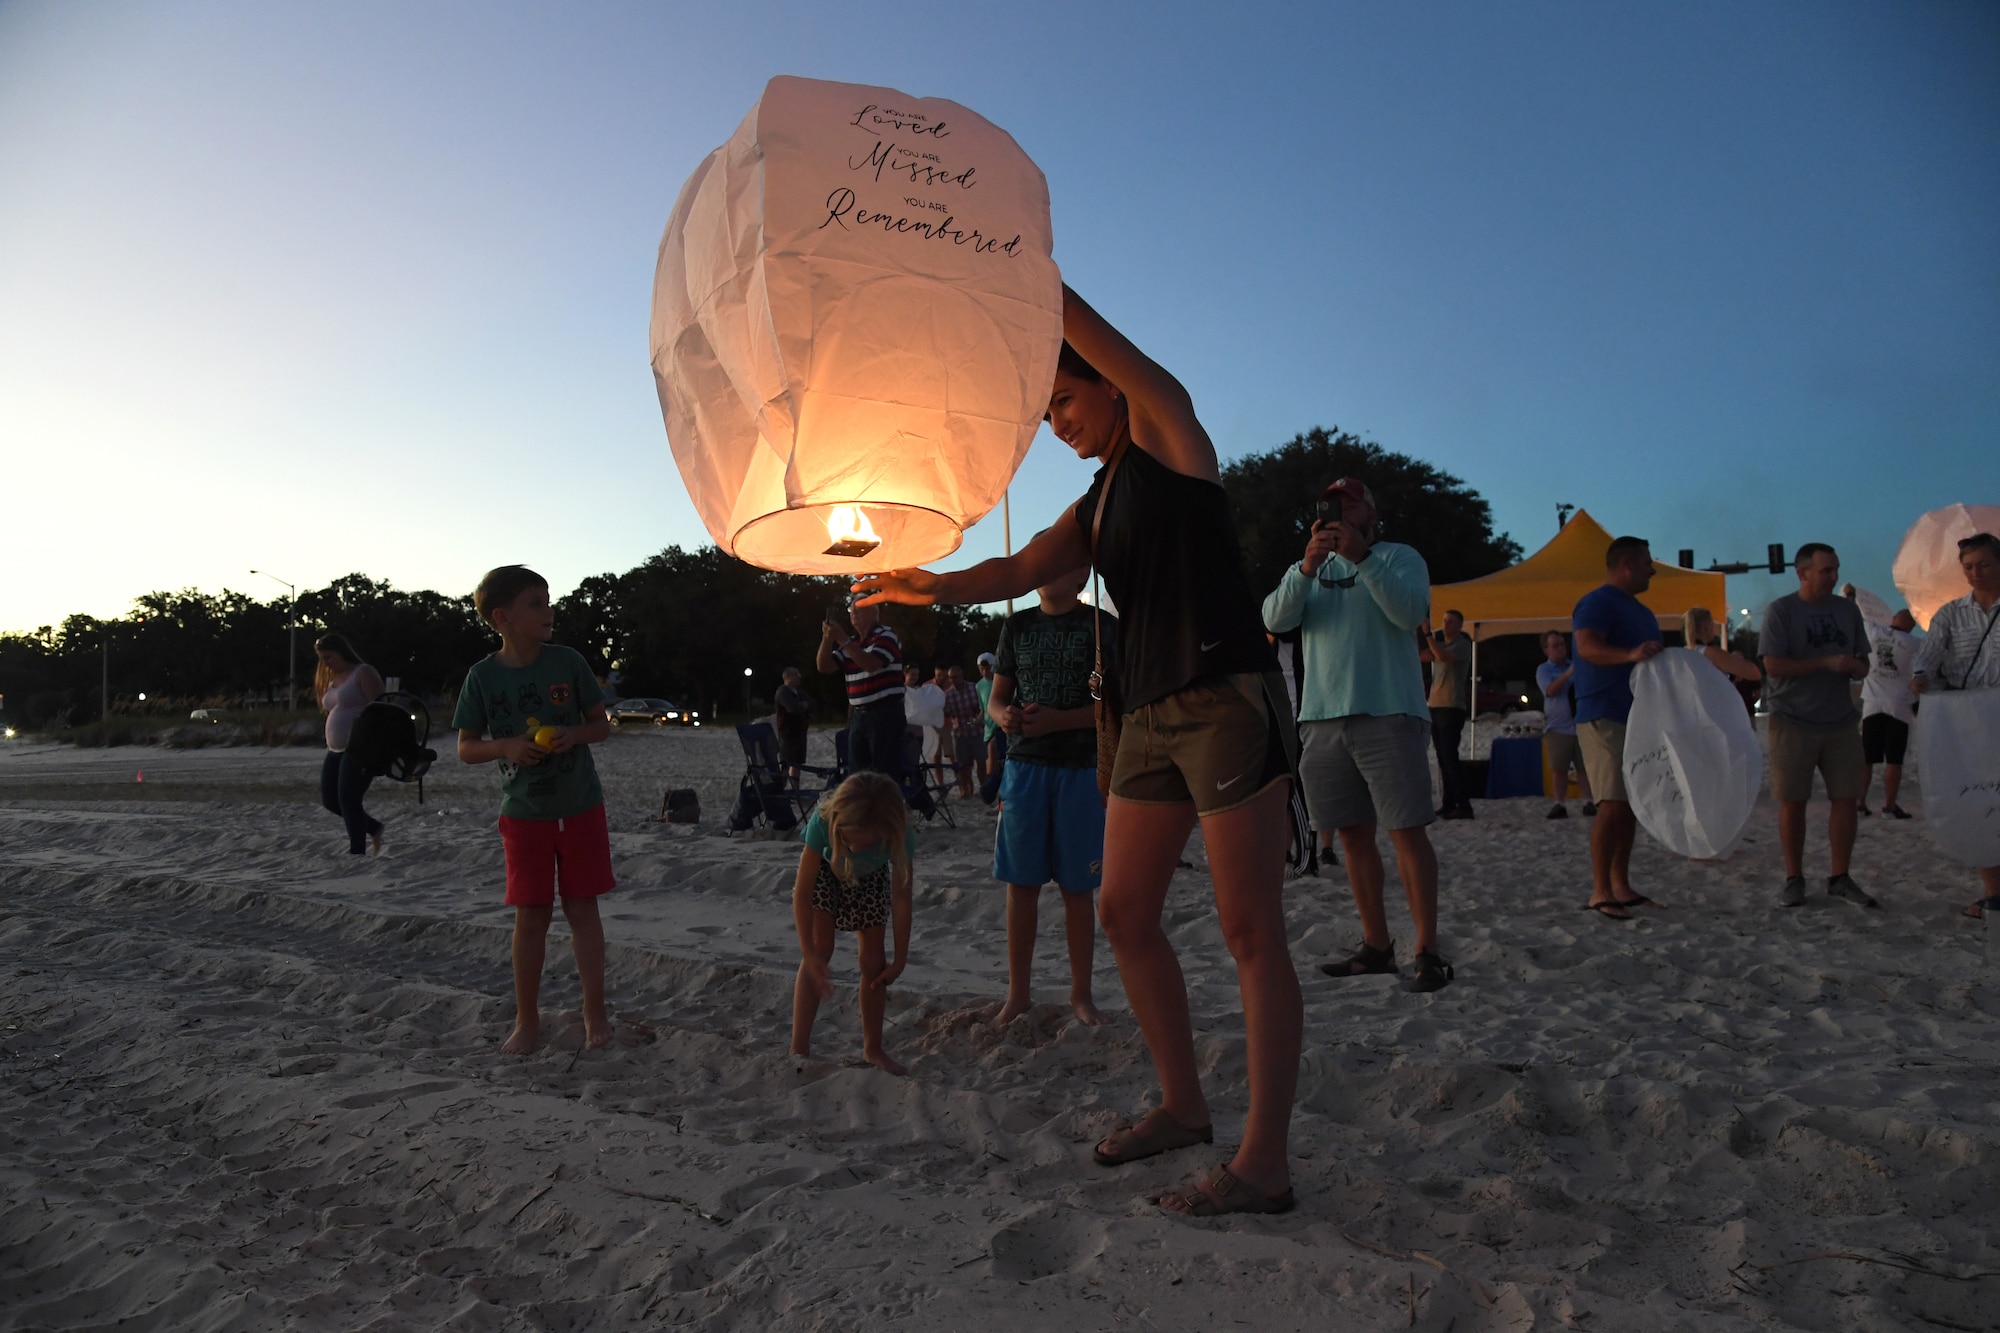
x=1871 y=606
x=1692 y=762
x=1927 y=571
x=856 y=320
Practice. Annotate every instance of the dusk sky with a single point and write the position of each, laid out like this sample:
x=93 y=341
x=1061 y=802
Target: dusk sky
x=365 y=287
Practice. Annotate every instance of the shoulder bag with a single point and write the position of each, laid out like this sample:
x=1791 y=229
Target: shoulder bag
x=1104 y=692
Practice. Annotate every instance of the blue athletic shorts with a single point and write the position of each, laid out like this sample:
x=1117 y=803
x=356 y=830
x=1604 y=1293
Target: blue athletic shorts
x=1051 y=827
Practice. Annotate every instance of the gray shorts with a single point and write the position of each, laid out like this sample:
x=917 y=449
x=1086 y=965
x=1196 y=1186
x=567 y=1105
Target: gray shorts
x=1367 y=770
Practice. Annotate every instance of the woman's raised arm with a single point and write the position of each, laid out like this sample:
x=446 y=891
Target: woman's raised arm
x=1055 y=551
x=1163 y=418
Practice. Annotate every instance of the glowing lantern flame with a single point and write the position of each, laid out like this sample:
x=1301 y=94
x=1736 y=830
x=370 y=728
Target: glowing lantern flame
x=851 y=532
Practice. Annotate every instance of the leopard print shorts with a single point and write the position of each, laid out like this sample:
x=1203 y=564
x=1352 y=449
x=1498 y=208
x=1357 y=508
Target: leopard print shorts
x=853 y=906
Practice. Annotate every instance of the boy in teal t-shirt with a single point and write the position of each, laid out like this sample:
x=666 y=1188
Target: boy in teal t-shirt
x=535 y=706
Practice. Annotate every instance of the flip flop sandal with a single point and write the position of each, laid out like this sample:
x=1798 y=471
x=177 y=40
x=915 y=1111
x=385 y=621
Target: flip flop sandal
x=1640 y=900
x=1609 y=910
x=1980 y=907
x=1219 y=1192
x=1158 y=1132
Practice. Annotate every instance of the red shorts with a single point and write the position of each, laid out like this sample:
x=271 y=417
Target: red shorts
x=539 y=850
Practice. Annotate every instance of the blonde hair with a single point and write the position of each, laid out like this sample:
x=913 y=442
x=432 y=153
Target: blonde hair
x=866 y=802
x=1691 y=622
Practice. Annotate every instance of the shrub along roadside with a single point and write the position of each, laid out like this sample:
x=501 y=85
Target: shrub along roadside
x=269 y=728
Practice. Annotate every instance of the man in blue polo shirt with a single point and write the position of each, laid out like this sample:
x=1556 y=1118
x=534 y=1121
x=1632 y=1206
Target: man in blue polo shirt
x=1614 y=632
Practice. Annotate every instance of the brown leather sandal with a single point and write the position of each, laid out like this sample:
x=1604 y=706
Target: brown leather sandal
x=1158 y=1132
x=1220 y=1192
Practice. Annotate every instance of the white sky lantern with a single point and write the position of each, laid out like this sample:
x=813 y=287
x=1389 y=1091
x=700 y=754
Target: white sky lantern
x=856 y=319
x=1927 y=571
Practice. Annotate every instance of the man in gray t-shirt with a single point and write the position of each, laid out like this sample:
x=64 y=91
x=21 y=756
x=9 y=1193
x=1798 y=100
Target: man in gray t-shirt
x=1814 y=645
x=1830 y=628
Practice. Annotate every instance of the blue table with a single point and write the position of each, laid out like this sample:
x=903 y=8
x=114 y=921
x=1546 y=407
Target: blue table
x=1515 y=768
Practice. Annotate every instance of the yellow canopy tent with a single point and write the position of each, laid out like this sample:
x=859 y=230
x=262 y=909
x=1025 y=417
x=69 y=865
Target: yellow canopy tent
x=1539 y=593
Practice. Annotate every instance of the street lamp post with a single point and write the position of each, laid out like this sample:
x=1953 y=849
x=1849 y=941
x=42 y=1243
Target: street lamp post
x=292 y=639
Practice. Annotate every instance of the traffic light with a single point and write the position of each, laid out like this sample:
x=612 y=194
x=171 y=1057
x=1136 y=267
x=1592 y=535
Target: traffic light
x=1776 y=550
x=1687 y=558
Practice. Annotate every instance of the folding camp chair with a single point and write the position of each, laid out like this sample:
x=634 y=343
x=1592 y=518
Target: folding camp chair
x=766 y=793
x=927 y=789
x=919 y=793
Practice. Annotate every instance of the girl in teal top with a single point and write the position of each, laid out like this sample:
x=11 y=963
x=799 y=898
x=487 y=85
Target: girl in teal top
x=854 y=874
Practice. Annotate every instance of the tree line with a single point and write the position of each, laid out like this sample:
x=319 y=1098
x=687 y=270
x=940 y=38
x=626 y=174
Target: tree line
x=684 y=625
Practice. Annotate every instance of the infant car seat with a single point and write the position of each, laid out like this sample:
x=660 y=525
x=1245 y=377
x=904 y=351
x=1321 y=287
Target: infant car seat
x=388 y=739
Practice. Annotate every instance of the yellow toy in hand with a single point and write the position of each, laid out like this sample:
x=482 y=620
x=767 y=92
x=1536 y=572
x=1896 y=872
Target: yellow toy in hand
x=545 y=736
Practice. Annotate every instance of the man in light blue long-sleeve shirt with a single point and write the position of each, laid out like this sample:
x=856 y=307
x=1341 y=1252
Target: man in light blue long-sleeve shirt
x=1365 y=729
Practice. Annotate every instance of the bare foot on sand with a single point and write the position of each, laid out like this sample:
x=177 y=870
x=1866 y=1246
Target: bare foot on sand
x=597 y=1032
x=1087 y=1012
x=375 y=841
x=526 y=1036
x=1011 y=1010
x=883 y=1062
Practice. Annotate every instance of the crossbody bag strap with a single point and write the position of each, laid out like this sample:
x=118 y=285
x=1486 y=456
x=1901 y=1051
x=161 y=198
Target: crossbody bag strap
x=1987 y=633
x=1096 y=591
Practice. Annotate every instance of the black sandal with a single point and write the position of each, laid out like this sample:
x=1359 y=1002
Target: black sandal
x=1433 y=973
x=1364 y=961
x=1610 y=909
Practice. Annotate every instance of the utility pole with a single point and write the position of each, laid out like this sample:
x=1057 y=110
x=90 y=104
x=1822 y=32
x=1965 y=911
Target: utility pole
x=107 y=671
x=1007 y=530
x=291 y=641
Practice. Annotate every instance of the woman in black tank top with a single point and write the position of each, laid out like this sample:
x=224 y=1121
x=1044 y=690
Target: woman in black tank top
x=1202 y=739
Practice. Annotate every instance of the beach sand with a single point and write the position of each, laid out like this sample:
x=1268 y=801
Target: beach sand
x=253 y=1083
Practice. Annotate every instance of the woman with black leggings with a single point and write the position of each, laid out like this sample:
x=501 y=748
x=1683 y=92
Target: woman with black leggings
x=345 y=685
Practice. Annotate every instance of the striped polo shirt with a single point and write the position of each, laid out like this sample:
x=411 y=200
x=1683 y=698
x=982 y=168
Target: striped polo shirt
x=882 y=680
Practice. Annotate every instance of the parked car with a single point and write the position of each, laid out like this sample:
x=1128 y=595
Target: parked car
x=660 y=712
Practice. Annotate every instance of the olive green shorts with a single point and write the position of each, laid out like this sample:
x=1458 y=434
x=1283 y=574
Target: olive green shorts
x=1217 y=743
x=1798 y=749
